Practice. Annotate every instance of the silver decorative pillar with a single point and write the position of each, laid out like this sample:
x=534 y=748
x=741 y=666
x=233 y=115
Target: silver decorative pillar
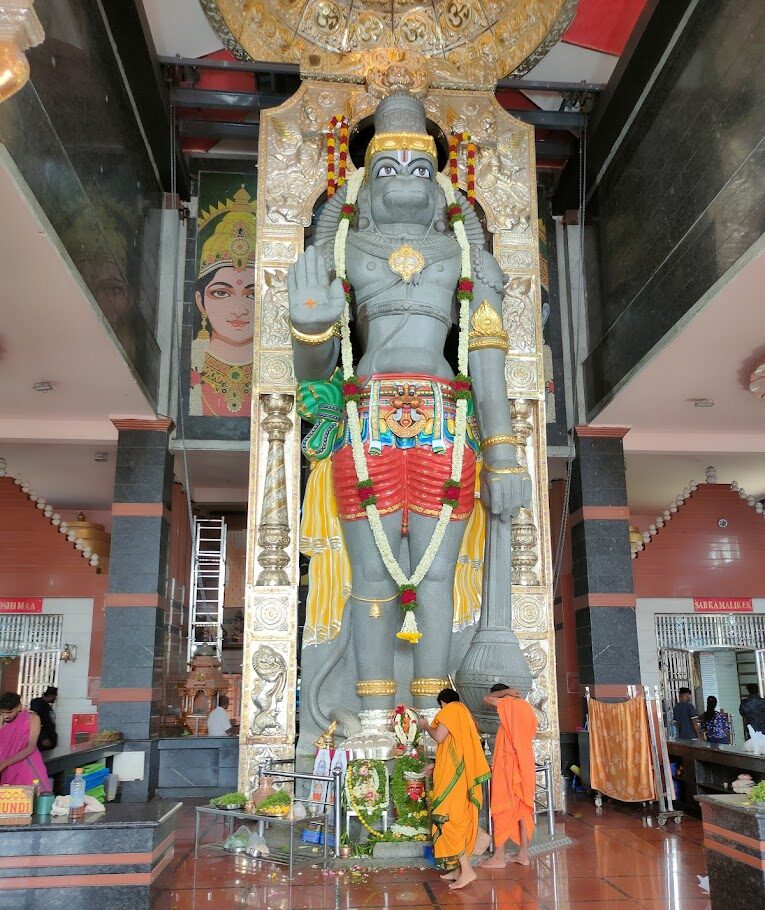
x=274 y=530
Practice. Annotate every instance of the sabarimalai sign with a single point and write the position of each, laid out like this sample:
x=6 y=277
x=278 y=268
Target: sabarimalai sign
x=722 y=605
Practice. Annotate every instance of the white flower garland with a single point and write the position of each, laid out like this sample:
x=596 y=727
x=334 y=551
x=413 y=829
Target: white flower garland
x=409 y=628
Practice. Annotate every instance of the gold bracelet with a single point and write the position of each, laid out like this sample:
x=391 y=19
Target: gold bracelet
x=313 y=340
x=501 y=439
x=517 y=469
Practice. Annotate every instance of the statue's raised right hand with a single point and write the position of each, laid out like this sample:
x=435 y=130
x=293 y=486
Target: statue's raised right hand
x=315 y=304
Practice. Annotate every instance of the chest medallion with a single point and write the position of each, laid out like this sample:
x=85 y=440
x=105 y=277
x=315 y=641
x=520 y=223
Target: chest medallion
x=406 y=262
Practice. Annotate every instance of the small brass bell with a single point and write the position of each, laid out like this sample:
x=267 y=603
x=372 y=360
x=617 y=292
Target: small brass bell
x=374 y=611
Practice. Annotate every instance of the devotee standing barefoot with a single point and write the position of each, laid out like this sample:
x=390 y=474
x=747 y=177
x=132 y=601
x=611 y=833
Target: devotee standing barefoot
x=459 y=770
x=513 y=778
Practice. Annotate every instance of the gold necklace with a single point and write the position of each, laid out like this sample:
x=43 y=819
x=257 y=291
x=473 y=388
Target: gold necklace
x=232 y=381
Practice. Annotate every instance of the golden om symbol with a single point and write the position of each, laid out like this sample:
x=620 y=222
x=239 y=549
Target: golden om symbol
x=327 y=16
x=457 y=13
x=414 y=29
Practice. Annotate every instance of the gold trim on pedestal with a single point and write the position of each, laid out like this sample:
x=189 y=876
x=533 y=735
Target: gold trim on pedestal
x=366 y=688
x=424 y=686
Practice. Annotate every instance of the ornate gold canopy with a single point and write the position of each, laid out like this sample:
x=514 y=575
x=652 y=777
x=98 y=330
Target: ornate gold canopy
x=480 y=41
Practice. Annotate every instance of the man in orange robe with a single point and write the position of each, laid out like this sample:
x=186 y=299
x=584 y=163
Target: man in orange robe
x=455 y=798
x=513 y=778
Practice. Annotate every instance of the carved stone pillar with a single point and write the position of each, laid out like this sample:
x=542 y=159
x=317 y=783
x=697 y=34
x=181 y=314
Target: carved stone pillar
x=274 y=529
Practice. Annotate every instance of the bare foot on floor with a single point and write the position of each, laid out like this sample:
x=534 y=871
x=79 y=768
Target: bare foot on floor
x=495 y=862
x=522 y=860
x=451 y=876
x=464 y=879
x=482 y=842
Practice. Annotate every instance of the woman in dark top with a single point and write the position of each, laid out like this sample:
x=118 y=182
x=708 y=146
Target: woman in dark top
x=714 y=723
x=43 y=707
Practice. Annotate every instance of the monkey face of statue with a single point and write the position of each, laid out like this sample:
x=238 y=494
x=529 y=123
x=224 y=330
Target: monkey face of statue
x=403 y=188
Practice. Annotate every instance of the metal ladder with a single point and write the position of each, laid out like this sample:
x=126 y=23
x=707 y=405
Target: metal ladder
x=208 y=580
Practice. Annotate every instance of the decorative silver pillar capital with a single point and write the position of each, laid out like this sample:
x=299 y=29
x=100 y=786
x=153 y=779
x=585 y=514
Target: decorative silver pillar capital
x=274 y=529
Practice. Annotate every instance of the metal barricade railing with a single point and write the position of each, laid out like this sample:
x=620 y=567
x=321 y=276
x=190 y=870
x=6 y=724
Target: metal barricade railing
x=541 y=806
x=336 y=780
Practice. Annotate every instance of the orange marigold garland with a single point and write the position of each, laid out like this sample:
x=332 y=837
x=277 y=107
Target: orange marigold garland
x=337 y=166
x=454 y=142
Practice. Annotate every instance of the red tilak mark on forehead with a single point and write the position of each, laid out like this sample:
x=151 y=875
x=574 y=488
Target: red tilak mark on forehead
x=405 y=156
x=239 y=281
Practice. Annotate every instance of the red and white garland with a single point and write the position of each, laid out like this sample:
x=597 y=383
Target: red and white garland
x=352 y=391
x=454 y=142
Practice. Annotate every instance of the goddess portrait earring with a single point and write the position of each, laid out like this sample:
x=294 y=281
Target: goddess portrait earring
x=203 y=334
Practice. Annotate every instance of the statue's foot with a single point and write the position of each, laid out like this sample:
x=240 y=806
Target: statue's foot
x=464 y=879
x=497 y=861
x=482 y=842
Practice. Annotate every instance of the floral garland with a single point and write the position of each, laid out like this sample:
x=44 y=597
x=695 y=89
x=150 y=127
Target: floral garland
x=366 y=790
x=352 y=392
x=336 y=178
x=410 y=799
x=405 y=728
x=454 y=141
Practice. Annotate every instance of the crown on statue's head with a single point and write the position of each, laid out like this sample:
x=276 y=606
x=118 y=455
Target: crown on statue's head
x=400 y=123
x=233 y=241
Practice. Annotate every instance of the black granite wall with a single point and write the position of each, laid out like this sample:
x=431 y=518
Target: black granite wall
x=137 y=624
x=683 y=197
x=73 y=135
x=604 y=602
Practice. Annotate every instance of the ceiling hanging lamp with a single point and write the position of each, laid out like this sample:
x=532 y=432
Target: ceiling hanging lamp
x=20 y=29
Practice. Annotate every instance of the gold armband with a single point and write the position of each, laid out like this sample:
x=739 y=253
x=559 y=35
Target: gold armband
x=501 y=439
x=516 y=469
x=486 y=330
x=499 y=342
x=313 y=340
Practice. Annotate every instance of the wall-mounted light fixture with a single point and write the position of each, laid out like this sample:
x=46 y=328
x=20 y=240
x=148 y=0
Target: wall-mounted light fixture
x=68 y=654
x=20 y=29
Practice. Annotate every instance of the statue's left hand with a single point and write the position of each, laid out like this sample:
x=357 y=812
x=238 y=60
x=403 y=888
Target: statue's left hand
x=504 y=494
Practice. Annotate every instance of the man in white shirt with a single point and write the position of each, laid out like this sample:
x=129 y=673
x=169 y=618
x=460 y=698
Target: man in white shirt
x=218 y=721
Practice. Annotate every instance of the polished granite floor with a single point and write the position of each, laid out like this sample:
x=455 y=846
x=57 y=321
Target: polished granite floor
x=618 y=861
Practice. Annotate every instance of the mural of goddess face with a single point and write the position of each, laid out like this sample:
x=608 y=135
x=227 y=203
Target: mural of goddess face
x=221 y=357
x=225 y=299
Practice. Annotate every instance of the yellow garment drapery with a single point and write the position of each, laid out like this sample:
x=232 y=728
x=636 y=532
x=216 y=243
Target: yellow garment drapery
x=459 y=771
x=620 y=750
x=329 y=570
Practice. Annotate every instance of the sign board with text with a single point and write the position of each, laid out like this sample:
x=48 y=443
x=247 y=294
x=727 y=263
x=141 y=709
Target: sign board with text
x=16 y=801
x=722 y=605
x=21 y=604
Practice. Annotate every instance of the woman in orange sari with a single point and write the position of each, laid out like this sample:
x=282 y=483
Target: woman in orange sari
x=455 y=798
x=513 y=778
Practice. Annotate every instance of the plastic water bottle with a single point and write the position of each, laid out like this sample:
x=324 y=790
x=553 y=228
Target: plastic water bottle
x=77 y=795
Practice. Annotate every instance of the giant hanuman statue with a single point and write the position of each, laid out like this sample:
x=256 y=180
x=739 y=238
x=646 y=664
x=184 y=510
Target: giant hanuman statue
x=399 y=258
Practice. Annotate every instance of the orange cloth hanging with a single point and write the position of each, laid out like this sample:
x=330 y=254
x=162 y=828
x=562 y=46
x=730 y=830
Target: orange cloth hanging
x=620 y=750
x=513 y=777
